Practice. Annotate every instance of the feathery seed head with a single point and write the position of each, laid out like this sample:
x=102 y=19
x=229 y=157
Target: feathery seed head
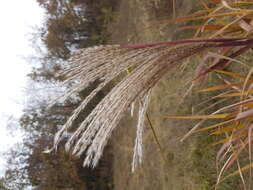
x=105 y=63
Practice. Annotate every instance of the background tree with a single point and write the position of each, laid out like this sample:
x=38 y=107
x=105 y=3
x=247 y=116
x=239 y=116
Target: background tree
x=69 y=25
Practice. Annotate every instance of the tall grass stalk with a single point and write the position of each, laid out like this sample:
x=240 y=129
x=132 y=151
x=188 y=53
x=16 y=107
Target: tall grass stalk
x=105 y=63
x=148 y=63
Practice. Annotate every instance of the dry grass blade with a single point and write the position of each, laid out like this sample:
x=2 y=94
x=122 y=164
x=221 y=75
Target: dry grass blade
x=221 y=64
x=237 y=172
x=215 y=125
x=226 y=129
x=231 y=74
x=220 y=87
x=244 y=115
x=217 y=116
x=242 y=103
x=207 y=27
x=237 y=94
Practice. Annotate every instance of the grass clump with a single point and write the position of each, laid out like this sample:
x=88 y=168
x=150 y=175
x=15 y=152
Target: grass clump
x=147 y=64
x=203 y=161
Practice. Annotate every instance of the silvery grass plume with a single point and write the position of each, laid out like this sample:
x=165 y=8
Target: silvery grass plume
x=148 y=62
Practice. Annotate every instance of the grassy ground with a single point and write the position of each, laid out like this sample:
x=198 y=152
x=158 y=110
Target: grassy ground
x=187 y=166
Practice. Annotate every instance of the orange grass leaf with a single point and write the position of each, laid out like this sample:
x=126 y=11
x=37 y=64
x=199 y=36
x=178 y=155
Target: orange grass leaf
x=232 y=137
x=235 y=94
x=217 y=116
x=247 y=167
x=216 y=125
x=226 y=129
x=231 y=74
x=244 y=115
x=214 y=88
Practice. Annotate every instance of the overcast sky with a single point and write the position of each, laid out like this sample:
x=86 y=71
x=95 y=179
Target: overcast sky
x=17 y=19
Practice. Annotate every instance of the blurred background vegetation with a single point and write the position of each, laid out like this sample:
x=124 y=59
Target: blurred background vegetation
x=68 y=26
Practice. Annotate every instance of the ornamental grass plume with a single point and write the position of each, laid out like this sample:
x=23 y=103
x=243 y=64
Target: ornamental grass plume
x=148 y=63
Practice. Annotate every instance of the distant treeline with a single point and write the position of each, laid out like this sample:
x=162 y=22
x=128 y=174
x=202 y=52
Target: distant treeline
x=74 y=24
x=69 y=25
